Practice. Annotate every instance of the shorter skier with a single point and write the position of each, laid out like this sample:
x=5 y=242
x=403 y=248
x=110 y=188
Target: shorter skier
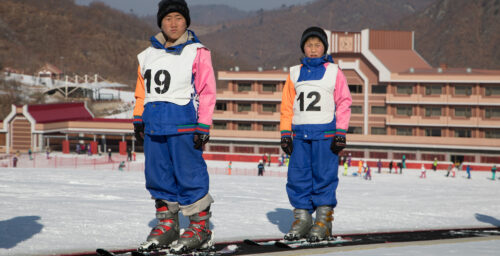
x=315 y=113
x=346 y=166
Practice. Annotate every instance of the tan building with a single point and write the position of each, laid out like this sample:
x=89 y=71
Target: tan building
x=401 y=104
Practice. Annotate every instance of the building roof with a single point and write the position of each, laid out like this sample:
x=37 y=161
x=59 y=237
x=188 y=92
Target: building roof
x=398 y=61
x=46 y=113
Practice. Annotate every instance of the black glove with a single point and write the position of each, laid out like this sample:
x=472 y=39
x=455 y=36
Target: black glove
x=200 y=140
x=139 y=132
x=338 y=143
x=287 y=145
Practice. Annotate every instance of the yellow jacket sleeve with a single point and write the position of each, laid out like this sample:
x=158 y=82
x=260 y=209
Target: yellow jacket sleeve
x=287 y=99
x=140 y=94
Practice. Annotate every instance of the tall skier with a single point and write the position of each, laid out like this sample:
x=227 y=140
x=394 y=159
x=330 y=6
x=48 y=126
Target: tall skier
x=175 y=98
x=315 y=113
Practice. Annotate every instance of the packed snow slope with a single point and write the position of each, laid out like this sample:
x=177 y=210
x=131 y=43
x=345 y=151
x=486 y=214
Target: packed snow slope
x=55 y=211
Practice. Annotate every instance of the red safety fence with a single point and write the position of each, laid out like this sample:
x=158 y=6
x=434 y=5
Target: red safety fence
x=118 y=162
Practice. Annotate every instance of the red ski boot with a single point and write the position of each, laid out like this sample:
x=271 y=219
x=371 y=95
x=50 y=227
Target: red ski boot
x=166 y=231
x=197 y=235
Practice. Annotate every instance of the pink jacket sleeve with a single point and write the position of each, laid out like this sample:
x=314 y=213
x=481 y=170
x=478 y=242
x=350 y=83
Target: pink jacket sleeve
x=204 y=82
x=343 y=100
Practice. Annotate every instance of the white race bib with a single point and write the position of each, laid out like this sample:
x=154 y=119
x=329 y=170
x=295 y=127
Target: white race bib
x=314 y=102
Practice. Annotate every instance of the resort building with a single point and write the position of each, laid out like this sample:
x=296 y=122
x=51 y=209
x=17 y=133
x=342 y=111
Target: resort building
x=401 y=104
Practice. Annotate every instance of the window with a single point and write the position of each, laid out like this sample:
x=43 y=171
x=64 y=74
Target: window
x=404 y=89
x=379 y=130
x=356 y=109
x=238 y=149
x=244 y=107
x=263 y=150
x=269 y=108
x=220 y=125
x=221 y=106
x=404 y=110
x=379 y=89
x=269 y=127
x=269 y=87
x=492 y=90
x=463 y=90
x=462 y=111
x=354 y=130
x=433 y=111
x=244 y=87
x=382 y=155
x=217 y=148
x=433 y=89
x=379 y=110
x=494 y=133
x=434 y=132
x=462 y=133
x=404 y=131
x=244 y=126
x=355 y=88
x=492 y=113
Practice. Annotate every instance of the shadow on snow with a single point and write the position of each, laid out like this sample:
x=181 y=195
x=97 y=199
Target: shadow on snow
x=488 y=219
x=283 y=218
x=18 y=229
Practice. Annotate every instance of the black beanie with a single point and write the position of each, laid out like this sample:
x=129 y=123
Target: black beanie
x=167 y=6
x=314 y=31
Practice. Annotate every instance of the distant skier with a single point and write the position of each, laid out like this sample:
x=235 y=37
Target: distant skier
x=260 y=168
x=14 y=161
x=450 y=166
x=349 y=159
x=315 y=109
x=468 y=171
x=368 y=175
x=423 y=172
x=360 y=167
x=175 y=99
x=110 y=153
x=346 y=166
x=30 y=154
x=121 y=166
x=379 y=166
x=493 y=172
x=390 y=166
x=435 y=164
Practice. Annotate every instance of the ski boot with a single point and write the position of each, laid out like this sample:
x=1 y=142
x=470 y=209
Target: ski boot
x=322 y=228
x=197 y=236
x=301 y=225
x=165 y=232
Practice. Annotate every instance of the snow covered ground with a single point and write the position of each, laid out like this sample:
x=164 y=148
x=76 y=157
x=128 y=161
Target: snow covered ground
x=56 y=211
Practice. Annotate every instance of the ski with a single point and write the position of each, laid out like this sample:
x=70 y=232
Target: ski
x=305 y=244
x=266 y=246
x=301 y=243
x=228 y=249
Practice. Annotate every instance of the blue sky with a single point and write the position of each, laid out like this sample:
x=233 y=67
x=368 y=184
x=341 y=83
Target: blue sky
x=148 y=7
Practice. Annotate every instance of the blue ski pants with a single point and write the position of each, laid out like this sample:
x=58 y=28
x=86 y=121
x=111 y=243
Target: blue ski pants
x=312 y=174
x=175 y=171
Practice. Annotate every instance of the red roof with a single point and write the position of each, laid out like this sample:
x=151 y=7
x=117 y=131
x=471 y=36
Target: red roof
x=58 y=112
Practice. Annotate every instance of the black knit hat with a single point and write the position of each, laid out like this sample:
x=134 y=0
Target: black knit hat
x=317 y=32
x=167 y=6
